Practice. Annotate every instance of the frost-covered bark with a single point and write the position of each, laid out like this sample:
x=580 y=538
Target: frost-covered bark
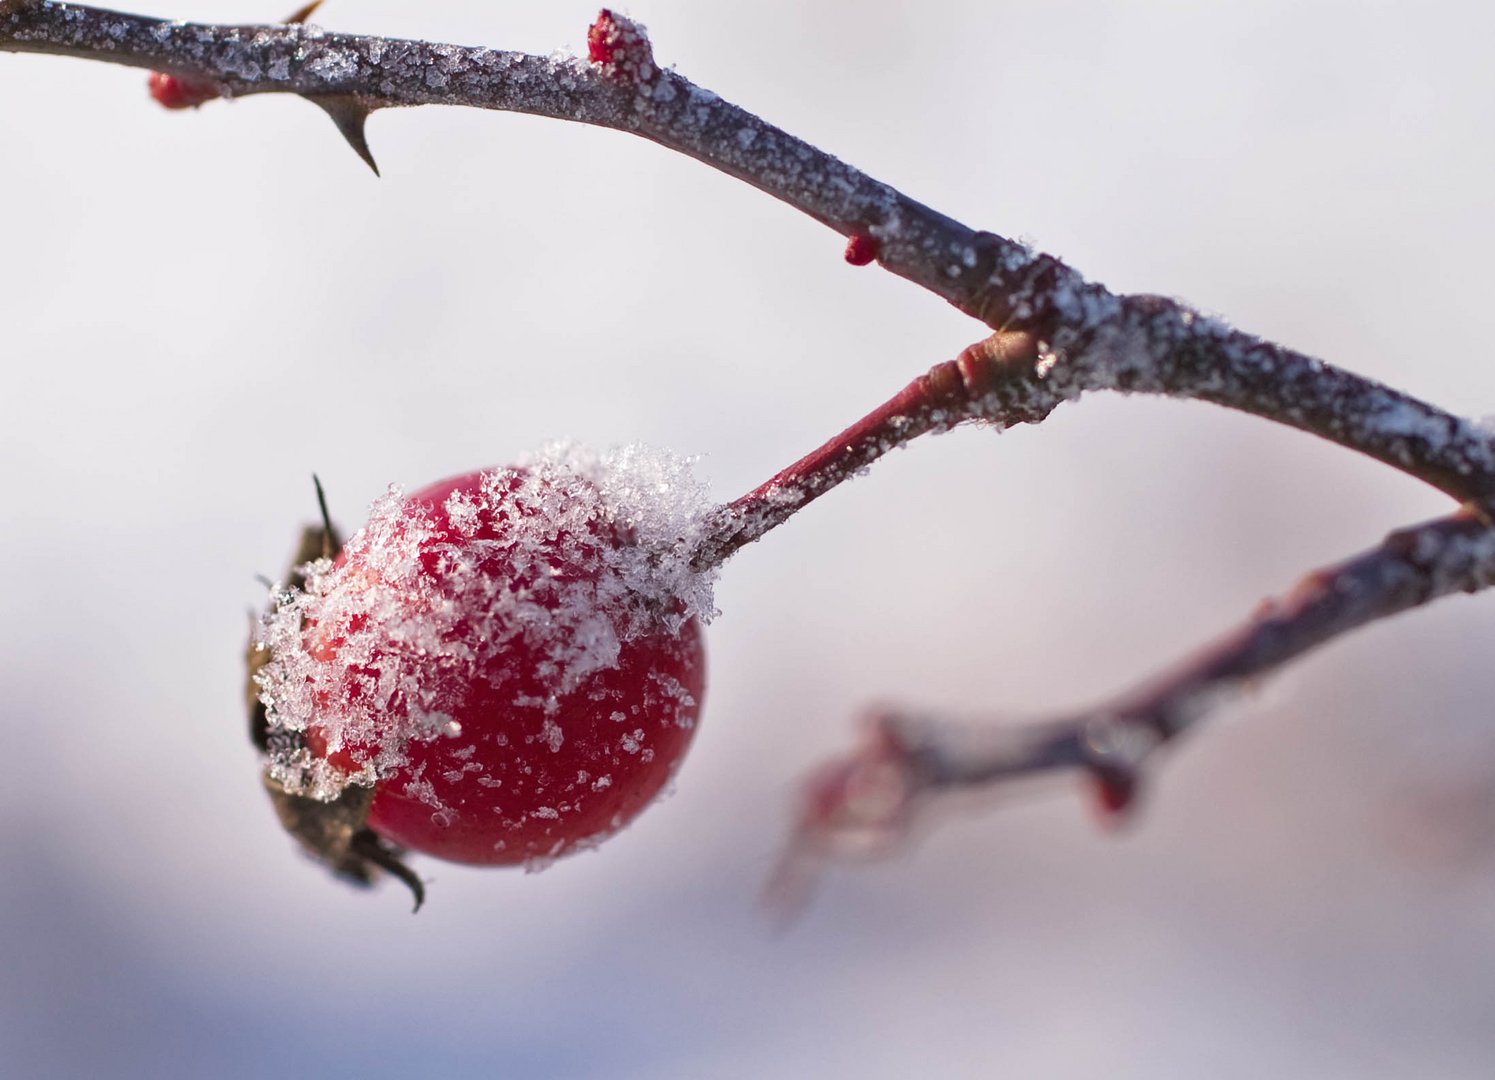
x=1056 y=337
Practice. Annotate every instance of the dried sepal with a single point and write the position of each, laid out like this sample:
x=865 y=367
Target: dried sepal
x=334 y=834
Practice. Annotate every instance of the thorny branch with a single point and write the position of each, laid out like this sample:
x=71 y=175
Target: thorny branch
x=1056 y=336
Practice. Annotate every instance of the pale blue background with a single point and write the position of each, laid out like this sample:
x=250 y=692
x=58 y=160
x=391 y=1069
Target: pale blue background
x=198 y=310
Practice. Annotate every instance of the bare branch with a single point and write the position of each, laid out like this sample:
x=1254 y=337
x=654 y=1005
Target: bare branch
x=869 y=798
x=1086 y=337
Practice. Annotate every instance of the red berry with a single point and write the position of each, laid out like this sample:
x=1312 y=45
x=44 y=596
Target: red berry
x=175 y=92
x=861 y=249
x=512 y=659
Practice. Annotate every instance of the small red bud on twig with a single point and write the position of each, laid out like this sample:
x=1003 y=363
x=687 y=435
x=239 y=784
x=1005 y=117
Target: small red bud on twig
x=621 y=48
x=178 y=92
x=862 y=249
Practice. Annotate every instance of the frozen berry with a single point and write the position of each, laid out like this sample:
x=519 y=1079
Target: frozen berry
x=510 y=660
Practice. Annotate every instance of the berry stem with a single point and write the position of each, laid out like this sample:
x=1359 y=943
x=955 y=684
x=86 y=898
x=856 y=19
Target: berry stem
x=968 y=387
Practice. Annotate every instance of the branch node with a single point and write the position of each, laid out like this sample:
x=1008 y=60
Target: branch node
x=861 y=804
x=989 y=362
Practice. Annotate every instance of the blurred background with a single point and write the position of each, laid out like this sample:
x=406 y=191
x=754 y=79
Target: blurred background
x=200 y=309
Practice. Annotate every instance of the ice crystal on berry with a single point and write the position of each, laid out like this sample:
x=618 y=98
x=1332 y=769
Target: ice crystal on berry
x=521 y=608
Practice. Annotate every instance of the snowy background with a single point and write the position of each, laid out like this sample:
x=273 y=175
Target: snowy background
x=200 y=309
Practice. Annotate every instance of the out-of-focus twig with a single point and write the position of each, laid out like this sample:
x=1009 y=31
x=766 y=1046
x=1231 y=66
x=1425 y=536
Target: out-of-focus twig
x=873 y=793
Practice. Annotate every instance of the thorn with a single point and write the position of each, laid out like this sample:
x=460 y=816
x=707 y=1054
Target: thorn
x=349 y=114
x=301 y=15
x=1478 y=510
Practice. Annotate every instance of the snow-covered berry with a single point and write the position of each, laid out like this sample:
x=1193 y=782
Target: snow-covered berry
x=509 y=660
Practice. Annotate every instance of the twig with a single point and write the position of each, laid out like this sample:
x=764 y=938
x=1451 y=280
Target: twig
x=874 y=793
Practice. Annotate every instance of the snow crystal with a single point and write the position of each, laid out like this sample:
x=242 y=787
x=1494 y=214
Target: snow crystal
x=1411 y=420
x=552 y=736
x=333 y=64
